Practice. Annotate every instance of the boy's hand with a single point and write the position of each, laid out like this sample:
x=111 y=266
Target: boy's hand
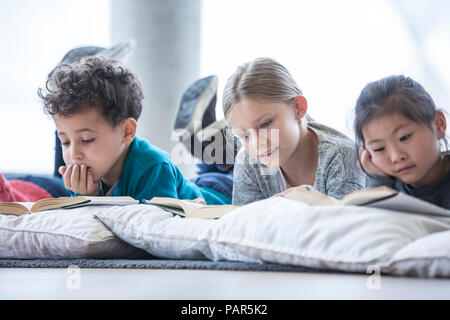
x=79 y=180
x=365 y=162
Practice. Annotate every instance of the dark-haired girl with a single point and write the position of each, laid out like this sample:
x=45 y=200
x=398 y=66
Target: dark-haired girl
x=401 y=137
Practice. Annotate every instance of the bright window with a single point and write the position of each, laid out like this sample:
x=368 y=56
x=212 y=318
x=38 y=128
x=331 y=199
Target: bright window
x=35 y=36
x=332 y=48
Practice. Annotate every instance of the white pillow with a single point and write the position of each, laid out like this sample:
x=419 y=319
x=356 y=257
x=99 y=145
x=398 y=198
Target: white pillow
x=157 y=231
x=166 y=236
x=60 y=234
x=348 y=238
x=426 y=257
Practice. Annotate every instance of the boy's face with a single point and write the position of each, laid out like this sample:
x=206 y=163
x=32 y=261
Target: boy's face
x=88 y=139
x=404 y=149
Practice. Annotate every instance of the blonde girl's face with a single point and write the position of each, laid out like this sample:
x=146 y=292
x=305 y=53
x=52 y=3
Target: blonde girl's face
x=404 y=149
x=269 y=131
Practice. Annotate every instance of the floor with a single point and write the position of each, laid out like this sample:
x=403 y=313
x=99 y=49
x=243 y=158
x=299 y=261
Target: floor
x=164 y=284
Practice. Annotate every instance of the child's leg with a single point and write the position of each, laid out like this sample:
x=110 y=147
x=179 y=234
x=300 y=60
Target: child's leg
x=198 y=106
x=196 y=126
x=209 y=176
x=118 y=52
x=6 y=192
x=25 y=191
x=20 y=191
x=219 y=146
x=52 y=186
x=197 y=110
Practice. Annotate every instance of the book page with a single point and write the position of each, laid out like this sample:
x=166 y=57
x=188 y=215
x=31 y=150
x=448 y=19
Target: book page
x=191 y=209
x=112 y=199
x=15 y=208
x=211 y=211
x=407 y=203
x=100 y=200
x=54 y=203
x=73 y=202
x=366 y=196
x=27 y=205
x=185 y=205
x=309 y=197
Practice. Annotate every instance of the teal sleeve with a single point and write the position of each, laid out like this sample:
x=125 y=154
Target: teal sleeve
x=157 y=181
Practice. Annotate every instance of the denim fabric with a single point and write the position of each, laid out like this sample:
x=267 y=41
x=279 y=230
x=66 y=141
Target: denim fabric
x=211 y=176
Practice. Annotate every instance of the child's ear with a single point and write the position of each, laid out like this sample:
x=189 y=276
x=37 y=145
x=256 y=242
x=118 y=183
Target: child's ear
x=301 y=106
x=440 y=124
x=129 y=130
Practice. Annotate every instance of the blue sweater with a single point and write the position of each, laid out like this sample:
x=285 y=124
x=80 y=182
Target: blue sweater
x=148 y=172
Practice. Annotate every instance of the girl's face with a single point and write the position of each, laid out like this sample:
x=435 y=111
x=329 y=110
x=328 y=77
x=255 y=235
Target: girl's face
x=269 y=131
x=405 y=149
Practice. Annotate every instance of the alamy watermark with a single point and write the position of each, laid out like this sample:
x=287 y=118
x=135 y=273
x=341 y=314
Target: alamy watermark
x=374 y=281
x=73 y=281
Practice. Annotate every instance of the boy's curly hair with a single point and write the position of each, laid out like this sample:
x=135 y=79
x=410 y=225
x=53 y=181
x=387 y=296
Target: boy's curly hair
x=94 y=82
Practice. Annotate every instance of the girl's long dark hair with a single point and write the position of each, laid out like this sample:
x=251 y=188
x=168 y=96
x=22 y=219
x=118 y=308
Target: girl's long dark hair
x=394 y=94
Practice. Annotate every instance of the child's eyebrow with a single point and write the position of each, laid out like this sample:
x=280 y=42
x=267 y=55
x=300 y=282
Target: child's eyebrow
x=261 y=117
x=86 y=129
x=399 y=127
x=373 y=141
x=78 y=131
x=256 y=121
x=393 y=133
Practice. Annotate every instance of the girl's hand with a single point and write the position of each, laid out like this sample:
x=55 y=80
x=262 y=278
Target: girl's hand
x=79 y=180
x=198 y=200
x=365 y=163
x=299 y=188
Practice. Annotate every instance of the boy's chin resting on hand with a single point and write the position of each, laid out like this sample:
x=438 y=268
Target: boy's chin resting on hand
x=78 y=179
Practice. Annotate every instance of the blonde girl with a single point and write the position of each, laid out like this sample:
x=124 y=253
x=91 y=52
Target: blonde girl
x=282 y=146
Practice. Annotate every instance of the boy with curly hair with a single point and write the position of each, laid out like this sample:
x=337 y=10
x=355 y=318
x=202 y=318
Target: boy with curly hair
x=95 y=105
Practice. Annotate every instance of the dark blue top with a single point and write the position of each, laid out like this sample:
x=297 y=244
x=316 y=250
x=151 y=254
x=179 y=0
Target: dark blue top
x=438 y=193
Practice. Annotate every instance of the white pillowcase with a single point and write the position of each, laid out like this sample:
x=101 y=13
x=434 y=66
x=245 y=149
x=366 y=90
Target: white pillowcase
x=345 y=238
x=284 y=231
x=157 y=231
x=275 y=230
x=426 y=257
x=60 y=234
x=166 y=236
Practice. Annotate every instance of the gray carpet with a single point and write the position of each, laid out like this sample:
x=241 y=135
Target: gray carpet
x=153 y=264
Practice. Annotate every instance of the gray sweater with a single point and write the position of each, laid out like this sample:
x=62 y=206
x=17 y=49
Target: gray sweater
x=337 y=172
x=438 y=193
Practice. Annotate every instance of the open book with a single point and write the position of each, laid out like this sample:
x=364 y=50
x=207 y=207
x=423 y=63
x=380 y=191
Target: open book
x=189 y=209
x=18 y=209
x=379 y=197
